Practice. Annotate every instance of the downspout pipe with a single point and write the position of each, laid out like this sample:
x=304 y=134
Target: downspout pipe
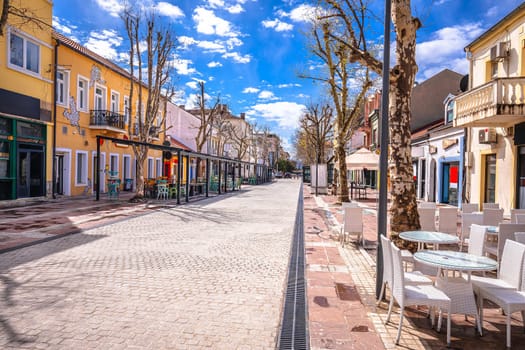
x=54 y=173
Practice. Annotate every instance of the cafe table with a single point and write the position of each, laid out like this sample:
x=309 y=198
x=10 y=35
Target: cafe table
x=430 y=237
x=458 y=289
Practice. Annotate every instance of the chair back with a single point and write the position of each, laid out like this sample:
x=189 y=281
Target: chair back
x=506 y=232
x=513 y=213
x=492 y=217
x=353 y=220
x=490 y=206
x=467 y=219
x=387 y=260
x=467 y=208
x=350 y=205
x=427 y=218
x=511 y=266
x=519 y=219
x=519 y=237
x=398 y=274
x=476 y=244
x=448 y=220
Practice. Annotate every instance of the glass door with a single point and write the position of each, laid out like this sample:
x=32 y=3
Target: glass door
x=490 y=178
x=30 y=174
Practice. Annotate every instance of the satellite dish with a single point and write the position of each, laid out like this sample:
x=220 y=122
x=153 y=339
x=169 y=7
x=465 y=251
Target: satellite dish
x=463 y=84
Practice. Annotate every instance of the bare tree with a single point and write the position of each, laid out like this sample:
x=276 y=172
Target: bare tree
x=240 y=138
x=21 y=15
x=352 y=13
x=206 y=116
x=159 y=46
x=304 y=151
x=347 y=98
x=317 y=126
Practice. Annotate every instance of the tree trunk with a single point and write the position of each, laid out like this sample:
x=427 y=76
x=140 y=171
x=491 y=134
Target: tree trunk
x=141 y=154
x=342 y=181
x=403 y=210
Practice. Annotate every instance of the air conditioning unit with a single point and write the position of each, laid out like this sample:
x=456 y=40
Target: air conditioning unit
x=499 y=51
x=488 y=135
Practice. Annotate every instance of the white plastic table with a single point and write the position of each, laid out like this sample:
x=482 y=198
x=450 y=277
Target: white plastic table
x=433 y=237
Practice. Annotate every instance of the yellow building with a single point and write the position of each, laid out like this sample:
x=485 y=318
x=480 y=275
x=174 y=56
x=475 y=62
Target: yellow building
x=26 y=95
x=493 y=112
x=93 y=99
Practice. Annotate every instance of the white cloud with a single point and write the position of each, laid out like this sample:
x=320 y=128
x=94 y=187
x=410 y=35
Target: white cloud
x=235 y=9
x=238 y=58
x=214 y=64
x=58 y=24
x=216 y=3
x=285 y=114
x=278 y=25
x=104 y=43
x=447 y=43
x=281 y=86
x=208 y=23
x=183 y=66
x=192 y=85
x=169 y=10
x=302 y=13
x=250 y=90
x=266 y=95
x=186 y=41
x=113 y=7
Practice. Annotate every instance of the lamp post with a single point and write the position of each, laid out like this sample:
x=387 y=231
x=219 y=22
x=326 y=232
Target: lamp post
x=383 y=156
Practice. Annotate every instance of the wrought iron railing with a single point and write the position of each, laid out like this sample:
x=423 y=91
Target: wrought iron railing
x=100 y=117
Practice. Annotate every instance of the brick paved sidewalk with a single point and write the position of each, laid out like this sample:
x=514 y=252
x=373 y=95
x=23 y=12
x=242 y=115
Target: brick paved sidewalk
x=345 y=279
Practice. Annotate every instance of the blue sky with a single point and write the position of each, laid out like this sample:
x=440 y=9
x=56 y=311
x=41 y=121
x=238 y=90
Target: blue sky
x=250 y=51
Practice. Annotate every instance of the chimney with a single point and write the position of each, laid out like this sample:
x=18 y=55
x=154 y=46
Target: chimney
x=243 y=116
x=182 y=107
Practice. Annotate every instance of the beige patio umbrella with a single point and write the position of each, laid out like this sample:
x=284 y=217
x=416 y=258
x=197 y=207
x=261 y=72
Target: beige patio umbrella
x=362 y=159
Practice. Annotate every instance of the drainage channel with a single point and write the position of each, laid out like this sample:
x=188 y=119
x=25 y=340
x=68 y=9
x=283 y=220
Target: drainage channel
x=294 y=328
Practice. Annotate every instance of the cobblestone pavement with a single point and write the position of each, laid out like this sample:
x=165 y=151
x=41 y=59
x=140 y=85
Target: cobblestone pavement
x=205 y=275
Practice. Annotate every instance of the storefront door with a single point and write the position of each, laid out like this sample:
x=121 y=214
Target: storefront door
x=30 y=174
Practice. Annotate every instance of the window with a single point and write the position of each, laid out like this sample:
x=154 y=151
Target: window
x=62 y=87
x=82 y=94
x=450 y=112
x=127 y=111
x=81 y=176
x=115 y=97
x=100 y=98
x=158 y=167
x=113 y=164
x=150 y=168
x=126 y=167
x=494 y=69
x=24 y=54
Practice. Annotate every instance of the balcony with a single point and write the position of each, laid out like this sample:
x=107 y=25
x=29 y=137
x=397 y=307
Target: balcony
x=107 y=120
x=498 y=103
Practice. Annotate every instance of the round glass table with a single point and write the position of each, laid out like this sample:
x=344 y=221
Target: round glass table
x=433 y=237
x=458 y=261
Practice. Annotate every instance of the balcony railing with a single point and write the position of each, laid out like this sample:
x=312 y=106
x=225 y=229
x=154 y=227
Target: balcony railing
x=499 y=103
x=107 y=119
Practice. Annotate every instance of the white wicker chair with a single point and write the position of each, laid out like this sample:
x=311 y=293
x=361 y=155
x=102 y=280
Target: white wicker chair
x=350 y=205
x=407 y=295
x=467 y=208
x=509 y=272
x=427 y=218
x=490 y=206
x=519 y=237
x=448 y=220
x=506 y=231
x=492 y=217
x=513 y=213
x=427 y=205
x=467 y=219
x=519 y=219
x=352 y=225
x=476 y=244
x=411 y=278
x=510 y=300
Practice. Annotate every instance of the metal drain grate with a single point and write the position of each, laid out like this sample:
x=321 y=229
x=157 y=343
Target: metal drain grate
x=294 y=328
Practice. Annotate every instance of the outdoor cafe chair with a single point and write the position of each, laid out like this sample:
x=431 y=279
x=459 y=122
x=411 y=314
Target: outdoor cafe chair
x=426 y=205
x=510 y=300
x=411 y=295
x=427 y=218
x=448 y=220
x=352 y=225
x=411 y=278
x=509 y=271
x=162 y=191
x=519 y=219
x=467 y=208
x=514 y=213
x=490 y=206
x=478 y=235
x=467 y=219
x=506 y=232
x=492 y=217
x=519 y=237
